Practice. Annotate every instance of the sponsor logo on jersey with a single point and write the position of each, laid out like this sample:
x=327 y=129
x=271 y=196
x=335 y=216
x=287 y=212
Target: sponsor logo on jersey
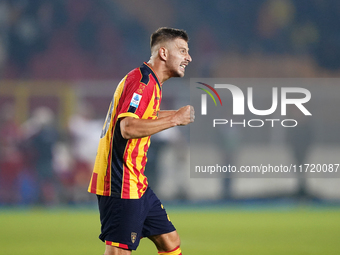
x=135 y=100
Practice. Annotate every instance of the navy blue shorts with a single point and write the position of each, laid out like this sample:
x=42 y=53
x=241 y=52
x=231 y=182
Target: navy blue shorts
x=125 y=221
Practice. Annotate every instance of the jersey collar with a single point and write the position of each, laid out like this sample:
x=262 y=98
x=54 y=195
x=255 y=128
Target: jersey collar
x=153 y=74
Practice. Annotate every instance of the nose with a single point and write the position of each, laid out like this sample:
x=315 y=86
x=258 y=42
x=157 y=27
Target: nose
x=188 y=58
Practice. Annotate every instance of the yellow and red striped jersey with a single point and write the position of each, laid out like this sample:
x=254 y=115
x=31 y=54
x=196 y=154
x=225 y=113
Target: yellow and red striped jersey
x=120 y=163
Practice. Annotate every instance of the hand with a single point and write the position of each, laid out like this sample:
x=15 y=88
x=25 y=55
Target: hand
x=185 y=115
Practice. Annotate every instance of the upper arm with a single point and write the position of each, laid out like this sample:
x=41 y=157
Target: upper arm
x=125 y=126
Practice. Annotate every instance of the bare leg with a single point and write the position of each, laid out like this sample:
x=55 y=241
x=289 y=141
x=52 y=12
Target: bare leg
x=112 y=250
x=166 y=242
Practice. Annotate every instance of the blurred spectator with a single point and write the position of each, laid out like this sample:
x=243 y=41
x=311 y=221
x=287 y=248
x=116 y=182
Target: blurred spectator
x=4 y=20
x=62 y=164
x=228 y=142
x=274 y=20
x=40 y=137
x=207 y=49
x=11 y=162
x=300 y=140
x=305 y=37
x=166 y=163
x=29 y=30
x=85 y=133
x=87 y=39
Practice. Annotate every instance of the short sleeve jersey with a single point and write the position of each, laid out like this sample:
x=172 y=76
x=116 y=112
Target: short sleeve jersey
x=120 y=163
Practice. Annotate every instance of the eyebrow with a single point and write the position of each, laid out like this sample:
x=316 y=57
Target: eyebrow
x=182 y=47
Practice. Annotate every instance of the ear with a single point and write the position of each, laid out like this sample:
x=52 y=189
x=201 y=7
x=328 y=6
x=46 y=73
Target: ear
x=163 y=53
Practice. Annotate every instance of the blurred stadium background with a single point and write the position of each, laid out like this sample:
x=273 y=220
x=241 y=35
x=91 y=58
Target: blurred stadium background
x=60 y=61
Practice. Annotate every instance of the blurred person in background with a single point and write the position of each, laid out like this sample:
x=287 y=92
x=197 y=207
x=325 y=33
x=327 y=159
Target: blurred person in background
x=161 y=166
x=11 y=160
x=40 y=137
x=228 y=143
x=84 y=130
x=4 y=22
x=300 y=140
x=166 y=158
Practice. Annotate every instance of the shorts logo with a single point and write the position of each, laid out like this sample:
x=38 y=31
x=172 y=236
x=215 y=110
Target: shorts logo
x=135 y=100
x=133 y=237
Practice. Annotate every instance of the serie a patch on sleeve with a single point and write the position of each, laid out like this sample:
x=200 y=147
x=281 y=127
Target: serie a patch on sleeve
x=135 y=100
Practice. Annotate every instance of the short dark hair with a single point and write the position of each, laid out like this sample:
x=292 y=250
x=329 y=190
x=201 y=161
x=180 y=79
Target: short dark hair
x=165 y=34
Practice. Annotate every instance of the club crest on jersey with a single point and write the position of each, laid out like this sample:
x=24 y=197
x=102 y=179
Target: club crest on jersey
x=135 y=100
x=133 y=237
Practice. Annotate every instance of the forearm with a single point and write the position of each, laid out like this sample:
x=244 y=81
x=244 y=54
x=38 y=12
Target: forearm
x=132 y=128
x=166 y=113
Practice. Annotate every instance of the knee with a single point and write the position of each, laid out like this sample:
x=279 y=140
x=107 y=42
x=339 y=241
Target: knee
x=172 y=247
x=174 y=241
x=166 y=242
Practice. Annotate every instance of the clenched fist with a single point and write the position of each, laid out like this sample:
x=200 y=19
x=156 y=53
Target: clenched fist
x=185 y=115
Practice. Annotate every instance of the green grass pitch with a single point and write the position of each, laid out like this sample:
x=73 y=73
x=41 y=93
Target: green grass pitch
x=203 y=231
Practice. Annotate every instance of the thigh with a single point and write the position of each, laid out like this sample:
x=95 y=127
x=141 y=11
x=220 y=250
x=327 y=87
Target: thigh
x=121 y=221
x=157 y=221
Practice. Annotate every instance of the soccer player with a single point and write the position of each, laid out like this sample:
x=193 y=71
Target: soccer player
x=129 y=210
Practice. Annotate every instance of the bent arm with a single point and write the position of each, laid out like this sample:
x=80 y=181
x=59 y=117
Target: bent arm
x=132 y=128
x=162 y=114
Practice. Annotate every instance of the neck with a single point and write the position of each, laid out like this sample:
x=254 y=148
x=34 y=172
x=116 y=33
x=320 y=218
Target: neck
x=158 y=67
